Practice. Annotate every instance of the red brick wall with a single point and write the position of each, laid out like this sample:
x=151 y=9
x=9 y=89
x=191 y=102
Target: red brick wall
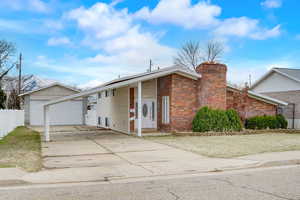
x=247 y=106
x=213 y=84
x=163 y=89
x=182 y=93
x=183 y=103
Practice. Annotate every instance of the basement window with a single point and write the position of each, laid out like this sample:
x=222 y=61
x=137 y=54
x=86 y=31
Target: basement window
x=165 y=110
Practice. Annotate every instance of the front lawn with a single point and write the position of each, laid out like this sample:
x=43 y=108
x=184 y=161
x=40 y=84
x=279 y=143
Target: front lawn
x=21 y=148
x=233 y=146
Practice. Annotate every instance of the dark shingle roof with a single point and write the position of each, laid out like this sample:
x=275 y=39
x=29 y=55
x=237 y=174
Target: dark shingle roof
x=294 y=73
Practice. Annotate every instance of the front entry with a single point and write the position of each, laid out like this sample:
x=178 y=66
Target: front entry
x=148 y=113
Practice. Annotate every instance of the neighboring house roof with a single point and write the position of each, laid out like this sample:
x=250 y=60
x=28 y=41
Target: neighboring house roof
x=293 y=74
x=261 y=97
x=49 y=86
x=121 y=82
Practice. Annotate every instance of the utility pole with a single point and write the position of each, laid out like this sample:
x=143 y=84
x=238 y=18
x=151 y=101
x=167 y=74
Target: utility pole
x=150 y=66
x=250 y=80
x=20 y=72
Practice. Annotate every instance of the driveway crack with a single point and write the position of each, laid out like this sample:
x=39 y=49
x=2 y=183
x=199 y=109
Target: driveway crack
x=173 y=194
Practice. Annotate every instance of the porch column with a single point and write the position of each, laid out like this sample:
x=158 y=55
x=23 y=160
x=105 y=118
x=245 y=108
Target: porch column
x=139 y=108
x=46 y=123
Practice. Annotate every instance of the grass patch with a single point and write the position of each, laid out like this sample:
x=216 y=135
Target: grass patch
x=21 y=148
x=233 y=146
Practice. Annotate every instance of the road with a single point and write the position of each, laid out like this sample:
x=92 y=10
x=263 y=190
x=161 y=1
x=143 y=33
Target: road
x=266 y=183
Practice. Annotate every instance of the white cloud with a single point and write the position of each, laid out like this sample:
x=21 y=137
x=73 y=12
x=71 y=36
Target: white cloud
x=28 y=5
x=55 y=41
x=271 y=3
x=245 y=27
x=120 y=41
x=239 y=70
x=90 y=84
x=101 y=20
x=182 y=13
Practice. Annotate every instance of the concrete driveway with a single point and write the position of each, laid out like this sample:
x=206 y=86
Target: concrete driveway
x=101 y=155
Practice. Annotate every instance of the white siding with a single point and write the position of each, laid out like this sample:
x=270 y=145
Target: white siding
x=276 y=83
x=115 y=108
x=148 y=90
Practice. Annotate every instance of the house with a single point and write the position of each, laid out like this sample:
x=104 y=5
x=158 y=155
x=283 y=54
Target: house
x=167 y=99
x=282 y=84
x=66 y=113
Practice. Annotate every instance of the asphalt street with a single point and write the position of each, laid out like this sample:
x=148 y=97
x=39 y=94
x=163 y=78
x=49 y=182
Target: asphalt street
x=265 y=183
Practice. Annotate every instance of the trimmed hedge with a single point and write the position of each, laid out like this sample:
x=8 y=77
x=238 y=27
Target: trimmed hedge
x=265 y=122
x=208 y=119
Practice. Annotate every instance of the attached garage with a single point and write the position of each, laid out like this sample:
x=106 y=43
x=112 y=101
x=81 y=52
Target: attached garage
x=65 y=113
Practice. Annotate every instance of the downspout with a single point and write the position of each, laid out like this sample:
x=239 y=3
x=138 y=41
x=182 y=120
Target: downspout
x=293 y=123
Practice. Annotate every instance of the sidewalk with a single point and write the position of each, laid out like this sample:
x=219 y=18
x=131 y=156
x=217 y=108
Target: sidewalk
x=149 y=169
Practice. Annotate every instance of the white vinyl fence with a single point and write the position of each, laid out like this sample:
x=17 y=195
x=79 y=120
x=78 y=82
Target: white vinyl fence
x=9 y=120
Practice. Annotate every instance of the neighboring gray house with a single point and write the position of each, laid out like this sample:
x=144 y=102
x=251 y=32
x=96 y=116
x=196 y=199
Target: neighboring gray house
x=66 y=113
x=282 y=84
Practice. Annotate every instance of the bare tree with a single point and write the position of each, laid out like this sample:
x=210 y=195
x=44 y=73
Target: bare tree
x=213 y=51
x=192 y=53
x=189 y=55
x=7 y=51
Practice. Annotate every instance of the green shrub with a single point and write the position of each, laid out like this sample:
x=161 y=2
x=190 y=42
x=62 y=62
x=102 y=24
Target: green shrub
x=264 y=122
x=282 y=121
x=235 y=123
x=208 y=119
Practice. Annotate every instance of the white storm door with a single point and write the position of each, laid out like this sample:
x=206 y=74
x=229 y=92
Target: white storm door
x=148 y=113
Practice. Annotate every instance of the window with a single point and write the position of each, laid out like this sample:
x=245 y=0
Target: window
x=106 y=122
x=106 y=93
x=99 y=95
x=99 y=121
x=165 y=110
x=113 y=92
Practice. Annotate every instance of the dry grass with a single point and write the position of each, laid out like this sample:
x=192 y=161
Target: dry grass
x=21 y=148
x=233 y=146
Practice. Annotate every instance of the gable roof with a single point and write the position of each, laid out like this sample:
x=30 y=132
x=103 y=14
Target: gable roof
x=49 y=86
x=293 y=74
x=175 y=68
x=121 y=82
x=260 y=97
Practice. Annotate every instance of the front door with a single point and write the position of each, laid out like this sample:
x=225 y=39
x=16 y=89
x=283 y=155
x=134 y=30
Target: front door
x=148 y=113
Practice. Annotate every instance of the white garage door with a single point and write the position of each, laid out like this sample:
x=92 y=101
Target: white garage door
x=65 y=113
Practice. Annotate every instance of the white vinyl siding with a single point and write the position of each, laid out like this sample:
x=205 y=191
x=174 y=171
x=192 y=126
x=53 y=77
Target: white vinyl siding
x=165 y=110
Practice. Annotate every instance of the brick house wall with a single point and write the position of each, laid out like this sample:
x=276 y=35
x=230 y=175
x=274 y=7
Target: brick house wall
x=163 y=89
x=247 y=106
x=182 y=94
x=186 y=96
x=291 y=97
x=212 y=85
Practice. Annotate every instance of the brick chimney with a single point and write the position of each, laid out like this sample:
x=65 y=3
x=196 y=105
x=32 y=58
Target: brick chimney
x=212 y=85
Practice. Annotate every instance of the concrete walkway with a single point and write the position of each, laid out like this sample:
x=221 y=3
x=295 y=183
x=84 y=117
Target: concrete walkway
x=80 y=156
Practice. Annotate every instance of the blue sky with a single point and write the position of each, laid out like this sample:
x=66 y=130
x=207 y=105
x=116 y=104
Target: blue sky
x=86 y=42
